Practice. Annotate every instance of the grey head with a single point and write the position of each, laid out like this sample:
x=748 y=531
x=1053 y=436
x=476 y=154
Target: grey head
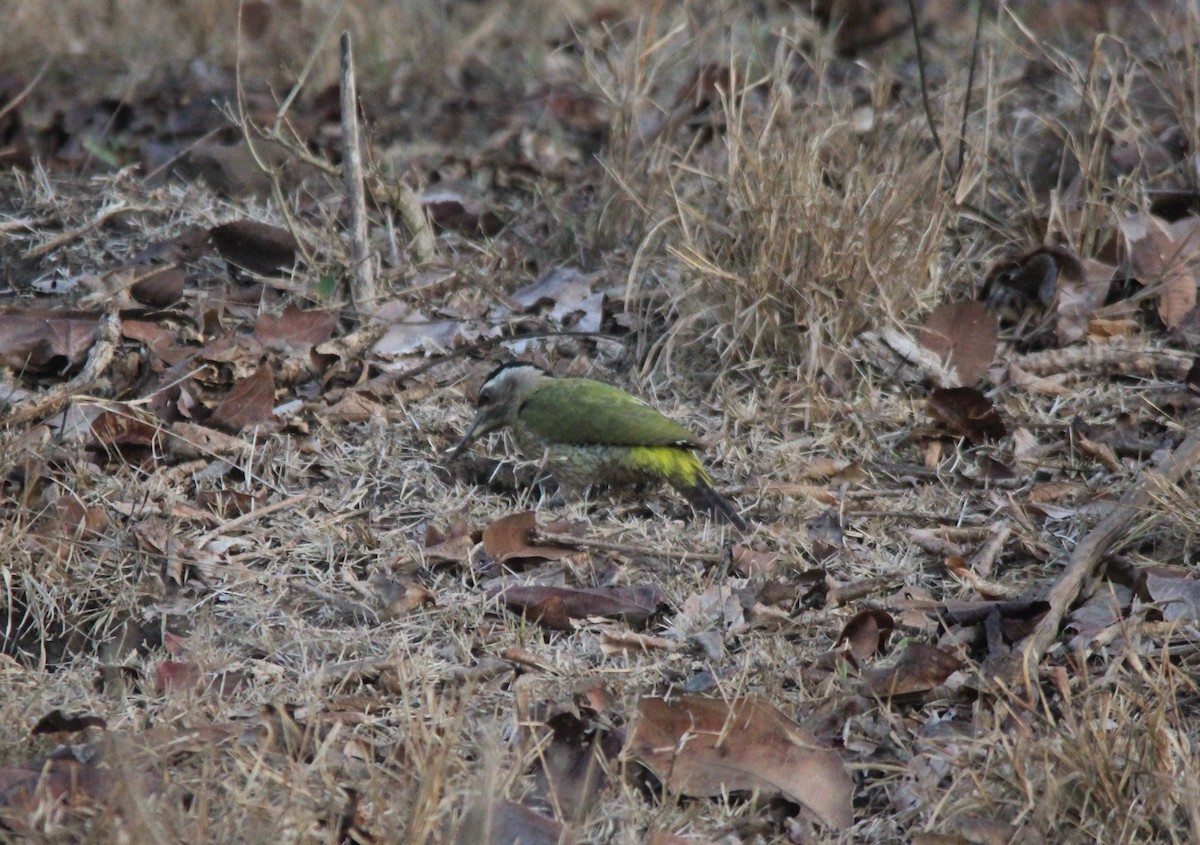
x=500 y=398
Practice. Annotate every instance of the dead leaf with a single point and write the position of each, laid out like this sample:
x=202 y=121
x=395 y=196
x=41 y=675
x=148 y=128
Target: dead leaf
x=420 y=334
x=58 y=722
x=570 y=768
x=506 y=823
x=45 y=344
x=258 y=247
x=294 y=330
x=706 y=747
x=251 y=402
x=122 y=427
x=968 y=412
x=160 y=289
x=632 y=605
x=455 y=204
x=1166 y=256
x=568 y=292
x=511 y=537
x=866 y=634
x=1178 y=597
x=750 y=563
x=920 y=668
x=1083 y=287
x=963 y=336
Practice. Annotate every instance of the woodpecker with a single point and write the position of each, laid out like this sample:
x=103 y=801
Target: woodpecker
x=588 y=432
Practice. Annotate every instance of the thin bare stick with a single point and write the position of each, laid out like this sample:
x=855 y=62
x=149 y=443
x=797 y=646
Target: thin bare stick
x=107 y=336
x=962 y=129
x=363 y=293
x=25 y=92
x=246 y=518
x=102 y=217
x=1087 y=554
x=937 y=142
x=630 y=550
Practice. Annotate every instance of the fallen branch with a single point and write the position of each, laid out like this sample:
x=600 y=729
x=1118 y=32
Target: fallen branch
x=108 y=334
x=1087 y=554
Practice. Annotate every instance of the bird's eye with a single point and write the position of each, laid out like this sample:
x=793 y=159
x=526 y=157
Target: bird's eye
x=485 y=396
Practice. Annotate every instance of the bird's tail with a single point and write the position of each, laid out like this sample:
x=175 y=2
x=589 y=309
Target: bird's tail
x=703 y=497
x=683 y=471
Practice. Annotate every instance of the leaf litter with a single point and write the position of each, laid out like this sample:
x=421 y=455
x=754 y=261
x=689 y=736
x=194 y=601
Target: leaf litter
x=232 y=543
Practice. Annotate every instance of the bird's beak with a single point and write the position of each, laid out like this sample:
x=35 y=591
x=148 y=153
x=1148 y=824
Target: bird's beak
x=483 y=424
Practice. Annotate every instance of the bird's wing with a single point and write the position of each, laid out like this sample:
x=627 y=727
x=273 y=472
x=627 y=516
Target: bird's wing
x=586 y=412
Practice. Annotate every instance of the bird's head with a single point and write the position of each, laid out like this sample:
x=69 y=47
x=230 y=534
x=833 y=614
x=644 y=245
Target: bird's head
x=500 y=399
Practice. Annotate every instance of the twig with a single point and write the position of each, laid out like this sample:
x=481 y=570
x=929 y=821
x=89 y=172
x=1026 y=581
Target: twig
x=962 y=129
x=912 y=11
x=1087 y=554
x=102 y=217
x=363 y=292
x=633 y=551
x=26 y=91
x=246 y=518
x=108 y=334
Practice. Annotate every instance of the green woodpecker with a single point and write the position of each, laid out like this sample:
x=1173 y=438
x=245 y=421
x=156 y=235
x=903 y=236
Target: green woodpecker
x=588 y=432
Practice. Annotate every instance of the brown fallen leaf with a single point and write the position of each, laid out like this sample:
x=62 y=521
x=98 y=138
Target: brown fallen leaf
x=866 y=634
x=968 y=412
x=258 y=247
x=750 y=563
x=505 y=823
x=45 y=344
x=122 y=427
x=160 y=289
x=963 y=336
x=251 y=402
x=1167 y=256
x=707 y=747
x=58 y=722
x=294 y=330
x=511 y=538
x=570 y=768
x=919 y=669
x=633 y=605
x=459 y=205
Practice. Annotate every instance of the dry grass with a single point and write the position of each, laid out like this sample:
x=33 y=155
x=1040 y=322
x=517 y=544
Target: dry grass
x=756 y=228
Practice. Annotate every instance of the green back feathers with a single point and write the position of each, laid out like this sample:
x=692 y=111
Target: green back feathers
x=584 y=412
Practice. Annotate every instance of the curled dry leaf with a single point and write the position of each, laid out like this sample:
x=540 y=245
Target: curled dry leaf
x=706 y=747
x=963 y=336
x=968 y=412
x=1073 y=288
x=160 y=289
x=1178 y=597
x=57 y=721
x=750 y=563
x=258 y=247
x=570 y=769
x=866 y=634
x=456 y=204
